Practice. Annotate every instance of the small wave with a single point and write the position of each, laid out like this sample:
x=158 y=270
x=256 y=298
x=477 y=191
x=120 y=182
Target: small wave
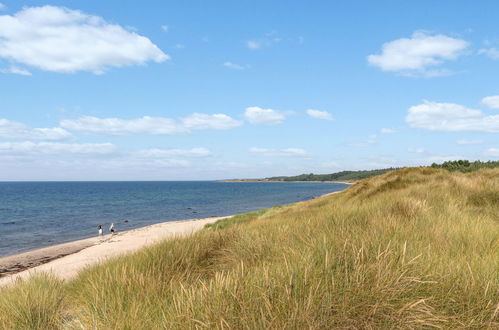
x=8 y=223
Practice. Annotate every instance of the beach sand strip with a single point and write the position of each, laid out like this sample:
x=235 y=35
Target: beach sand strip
x=65 y=260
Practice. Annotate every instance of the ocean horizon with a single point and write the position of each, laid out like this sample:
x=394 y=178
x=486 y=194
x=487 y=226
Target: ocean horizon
x=35 y=214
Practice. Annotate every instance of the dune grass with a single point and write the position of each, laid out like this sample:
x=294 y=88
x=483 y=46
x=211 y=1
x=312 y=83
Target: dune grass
x=414 y=248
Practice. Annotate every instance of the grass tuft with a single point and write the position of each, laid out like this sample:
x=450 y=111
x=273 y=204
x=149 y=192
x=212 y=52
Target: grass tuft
x=34 y=304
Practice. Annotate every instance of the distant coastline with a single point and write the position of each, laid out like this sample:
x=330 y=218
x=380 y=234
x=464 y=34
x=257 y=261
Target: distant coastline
x=347 y=177
x=276 y=181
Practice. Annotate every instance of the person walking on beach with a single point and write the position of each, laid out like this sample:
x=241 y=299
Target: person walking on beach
x=111 y=229
x=100 y=230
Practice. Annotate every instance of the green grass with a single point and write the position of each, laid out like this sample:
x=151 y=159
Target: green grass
x=414 y=248
x=241 y=218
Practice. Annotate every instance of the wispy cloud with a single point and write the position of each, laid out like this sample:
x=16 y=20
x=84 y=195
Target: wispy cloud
x=168 y=153
x=62 y=40
x=317 y=114
x=151 y=125
x=257 y=115
x=492 y=152
x=268 y=40
x=492 y=52
x=165 y=28
x=15 y=130
x=16 y=70
x=417 y=150
x=36 y=148
x=288 y=152
x=371 y=139
x=469 y=142
x=387 y=130
x=235 y=66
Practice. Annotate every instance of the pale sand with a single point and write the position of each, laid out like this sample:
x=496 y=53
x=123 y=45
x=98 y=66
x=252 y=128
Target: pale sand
x=66 y=260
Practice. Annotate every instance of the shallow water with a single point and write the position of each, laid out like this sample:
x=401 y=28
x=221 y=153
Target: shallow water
x=37 y=214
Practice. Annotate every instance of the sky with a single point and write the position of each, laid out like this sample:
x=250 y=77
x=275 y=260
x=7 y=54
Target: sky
x=204 y=90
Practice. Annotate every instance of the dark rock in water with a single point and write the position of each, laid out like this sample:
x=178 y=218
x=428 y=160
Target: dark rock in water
x=189 y=208
x=126 y=221
x=194 y=212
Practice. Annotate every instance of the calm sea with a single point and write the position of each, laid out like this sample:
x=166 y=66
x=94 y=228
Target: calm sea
x=37 y=214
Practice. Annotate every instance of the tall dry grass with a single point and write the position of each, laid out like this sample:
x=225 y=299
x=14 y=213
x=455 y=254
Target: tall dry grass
x=413 y=248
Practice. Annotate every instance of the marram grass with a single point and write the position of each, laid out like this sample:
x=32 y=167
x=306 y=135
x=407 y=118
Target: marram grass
x=414 y=248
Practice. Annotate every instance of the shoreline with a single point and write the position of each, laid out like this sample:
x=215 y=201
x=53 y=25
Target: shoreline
x=66 y=260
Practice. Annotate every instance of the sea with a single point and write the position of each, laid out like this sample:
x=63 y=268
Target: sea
x=38 y=214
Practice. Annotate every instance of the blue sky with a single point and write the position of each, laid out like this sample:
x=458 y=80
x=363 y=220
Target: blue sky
x=127 y=90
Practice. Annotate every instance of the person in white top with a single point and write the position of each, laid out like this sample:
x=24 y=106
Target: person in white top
x=100 y=230
x=111 y=229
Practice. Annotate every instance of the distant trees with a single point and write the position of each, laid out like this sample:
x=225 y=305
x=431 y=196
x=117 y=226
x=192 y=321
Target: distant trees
x=339 y=176
x=455 y=165
x=465 y=166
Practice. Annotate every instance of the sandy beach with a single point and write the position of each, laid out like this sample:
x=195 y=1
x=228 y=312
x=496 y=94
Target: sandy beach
x=67 y=259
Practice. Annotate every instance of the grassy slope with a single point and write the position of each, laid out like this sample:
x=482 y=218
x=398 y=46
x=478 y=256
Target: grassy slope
x=411 y=248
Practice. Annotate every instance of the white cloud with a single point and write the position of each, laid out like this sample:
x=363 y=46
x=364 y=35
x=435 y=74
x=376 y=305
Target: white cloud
x=289 y=152
x=469 y=142
x=387 y=130
x=129 y=162
x=199 y=121
x=167 y=153
x=117 y=126
x=436 y=116
x=320 y=114
x=257 y=115
x=16 y=70
x=59 y=39
x=492 y=152
x=179 y=46
x=235 y=66
x=33 y=148
x=413 y=56
x=2 y=6
x=16 y=130
x=165 y=28
x=491 y=101
x=150 y=125
x=493 y=53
